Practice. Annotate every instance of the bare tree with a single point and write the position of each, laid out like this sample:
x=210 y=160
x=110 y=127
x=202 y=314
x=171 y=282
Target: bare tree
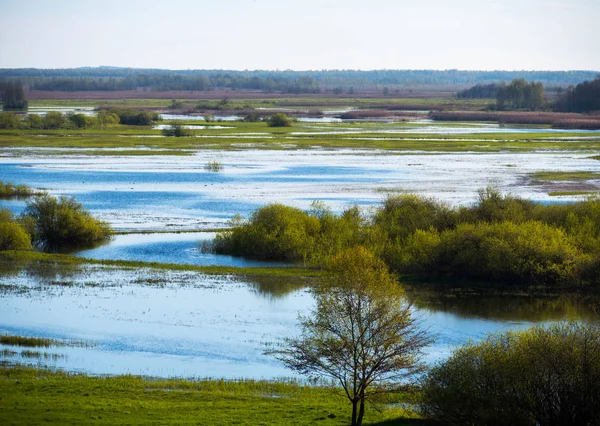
x=361 y=333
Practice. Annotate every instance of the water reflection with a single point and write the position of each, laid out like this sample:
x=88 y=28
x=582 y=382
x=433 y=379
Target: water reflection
x=530 y=308
x=184 y=323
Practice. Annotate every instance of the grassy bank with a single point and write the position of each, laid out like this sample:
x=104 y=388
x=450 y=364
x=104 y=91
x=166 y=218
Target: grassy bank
x=30 y=396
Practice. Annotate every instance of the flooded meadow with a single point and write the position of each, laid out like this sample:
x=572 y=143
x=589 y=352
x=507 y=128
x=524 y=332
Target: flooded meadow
x=164 y=323
x=161 y=322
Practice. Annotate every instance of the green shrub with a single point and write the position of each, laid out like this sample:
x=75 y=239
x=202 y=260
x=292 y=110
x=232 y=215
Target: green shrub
x=176 y=129
x=54 y=120
x=279 y=119
x=492 y=206
x=9 y=120
x=32 y=121
x=63 y=223
x=134 y=117
x=541 y=376
x=274 y=232
x=12 y=235
x=525 y=253
x=401 y=215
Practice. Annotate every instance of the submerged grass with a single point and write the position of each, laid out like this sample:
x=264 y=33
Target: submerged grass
x=567 y=176
x=567 y=193
x=139 y=140
x=15 y=257
x=34 y=396
x=35 y=342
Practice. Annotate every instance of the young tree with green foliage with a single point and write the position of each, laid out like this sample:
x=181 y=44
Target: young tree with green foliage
x=361 y=333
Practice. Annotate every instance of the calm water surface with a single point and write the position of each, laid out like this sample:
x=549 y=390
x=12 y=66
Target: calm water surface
x=164 y=323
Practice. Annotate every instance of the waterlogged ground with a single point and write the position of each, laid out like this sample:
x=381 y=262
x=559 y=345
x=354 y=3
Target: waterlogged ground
x=174 y=193
x=177 y=323
x=165 y=323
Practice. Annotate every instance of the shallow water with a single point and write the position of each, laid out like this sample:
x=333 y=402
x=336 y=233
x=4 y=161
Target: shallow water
x=89 y=111
x=181 y=248
x=169 y=117
x=164 y=323
x=190 y=127
x=166 y=193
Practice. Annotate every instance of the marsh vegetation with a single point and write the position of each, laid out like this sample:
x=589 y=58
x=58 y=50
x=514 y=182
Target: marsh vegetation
x=500 y=239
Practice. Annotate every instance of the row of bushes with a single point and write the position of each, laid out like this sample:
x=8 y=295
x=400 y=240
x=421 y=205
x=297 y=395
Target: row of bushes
x=500 y=238
x=51 y=224
x=58 y=120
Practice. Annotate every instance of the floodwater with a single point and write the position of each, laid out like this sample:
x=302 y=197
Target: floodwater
x=89 y=111
x=191 y=127
x=180 y=248
x=183 y=323
x=165 y=323
x=177 y=193
x=175 y=117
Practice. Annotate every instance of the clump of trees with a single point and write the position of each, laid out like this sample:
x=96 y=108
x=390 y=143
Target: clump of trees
x=480 y=91
x=279 y=119
x=519 y=94
x=584 y=97
x=12 y=95
x=541 y=376
x=500 y=238
x=360 y=334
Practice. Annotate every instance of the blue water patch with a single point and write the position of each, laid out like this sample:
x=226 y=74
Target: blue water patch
x=180 y=248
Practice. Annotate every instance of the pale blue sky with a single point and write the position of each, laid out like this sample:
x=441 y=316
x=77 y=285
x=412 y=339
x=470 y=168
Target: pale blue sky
x=302 y=34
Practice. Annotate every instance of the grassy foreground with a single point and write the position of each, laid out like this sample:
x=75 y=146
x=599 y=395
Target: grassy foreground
x=30 y=396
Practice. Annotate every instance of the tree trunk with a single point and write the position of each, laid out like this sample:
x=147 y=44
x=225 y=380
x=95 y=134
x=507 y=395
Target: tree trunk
x=354 y=402
x=361 y=413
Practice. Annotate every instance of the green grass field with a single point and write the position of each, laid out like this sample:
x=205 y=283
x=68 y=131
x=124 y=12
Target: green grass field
x=31 y=397
x=140 y=140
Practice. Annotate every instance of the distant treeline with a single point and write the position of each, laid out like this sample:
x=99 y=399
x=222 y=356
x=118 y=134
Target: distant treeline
x=480 y=91
x=110 y=78
x=520 y=94
x=584 y=97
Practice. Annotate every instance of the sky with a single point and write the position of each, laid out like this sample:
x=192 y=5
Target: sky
x=302 y=34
